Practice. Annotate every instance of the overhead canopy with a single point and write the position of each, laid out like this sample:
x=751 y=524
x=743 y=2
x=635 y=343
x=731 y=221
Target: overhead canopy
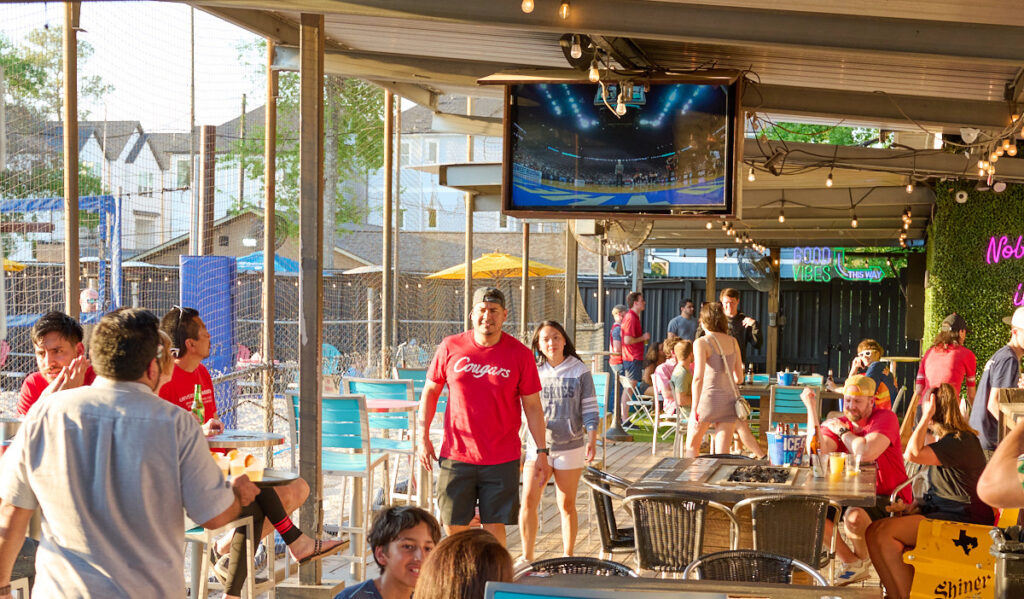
x=12 y=266
x=496 y=266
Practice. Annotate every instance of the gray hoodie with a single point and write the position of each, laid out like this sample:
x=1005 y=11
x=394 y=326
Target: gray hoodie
x=570 y=403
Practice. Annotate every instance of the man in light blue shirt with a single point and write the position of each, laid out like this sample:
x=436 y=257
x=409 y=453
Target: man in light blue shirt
x=114 y=469
x=683 y=326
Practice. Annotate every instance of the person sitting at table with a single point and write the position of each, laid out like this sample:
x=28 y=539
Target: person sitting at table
x=874 y=435
x=652 y=359
x=571 y=420
x=60 y=357
x=190 y=343
x=462 y=565
x=400 y=538
x=868 y=362
x=948 y=445
x=717 y=357
x=662 y=377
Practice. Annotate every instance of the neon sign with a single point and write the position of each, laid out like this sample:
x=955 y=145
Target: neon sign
x=999 y=248
x=822 y=264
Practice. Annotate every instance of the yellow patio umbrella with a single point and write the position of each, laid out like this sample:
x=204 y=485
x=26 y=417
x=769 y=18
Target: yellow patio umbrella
x=12 y=266
x=495 y=266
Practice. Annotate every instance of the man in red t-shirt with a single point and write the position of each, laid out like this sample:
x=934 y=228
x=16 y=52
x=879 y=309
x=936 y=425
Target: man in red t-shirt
x=633 y=340
x=874 y=434
x=191 y=345
x=948 y=361
x=491 y=377
x=60 y=357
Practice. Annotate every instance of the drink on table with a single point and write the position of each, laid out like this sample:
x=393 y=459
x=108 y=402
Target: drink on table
x=197 y=405
x=853 y=464
x=836 y=464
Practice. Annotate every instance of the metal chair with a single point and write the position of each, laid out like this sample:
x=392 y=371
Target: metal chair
x=391 y=433
x=601 y=380
x=346 y=452
x=793 y=526
x=199 y=539
x=613 y=538
x=635 y=400
x=786 y=406
x=745 y=565
x=574 y=565
x=418 y=376
x=810 y=379
x=662 y=419
x=918 y=483
x=669 y=529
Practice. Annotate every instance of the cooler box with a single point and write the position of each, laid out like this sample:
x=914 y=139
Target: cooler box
x=785 y=450
x=952 y=559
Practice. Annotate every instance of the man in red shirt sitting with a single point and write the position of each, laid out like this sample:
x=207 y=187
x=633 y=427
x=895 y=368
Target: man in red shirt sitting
x=874 y=434
x=191 y=342
x=60 y=356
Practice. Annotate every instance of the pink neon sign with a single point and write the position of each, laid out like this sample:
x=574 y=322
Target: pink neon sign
x=1000 y=248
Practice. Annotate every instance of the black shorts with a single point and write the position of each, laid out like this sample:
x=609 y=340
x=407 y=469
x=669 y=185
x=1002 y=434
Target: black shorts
x=460 y=486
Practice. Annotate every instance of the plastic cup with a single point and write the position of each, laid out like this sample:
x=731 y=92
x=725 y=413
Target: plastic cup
x=836 y=463
x=853 y=465
x=237 y=467
x=255 y=473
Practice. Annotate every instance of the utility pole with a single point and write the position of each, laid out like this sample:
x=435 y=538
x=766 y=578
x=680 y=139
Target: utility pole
x=72 y=11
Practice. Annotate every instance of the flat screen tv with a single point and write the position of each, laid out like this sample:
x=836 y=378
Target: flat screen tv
x=672 y=153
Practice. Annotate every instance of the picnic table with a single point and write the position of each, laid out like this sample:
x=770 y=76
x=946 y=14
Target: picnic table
x=704 y=476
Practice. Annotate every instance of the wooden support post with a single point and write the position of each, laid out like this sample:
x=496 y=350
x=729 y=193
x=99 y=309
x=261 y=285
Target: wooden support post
x=311 y=208
x=638 y=270
x=269 y=243
x=387 y=298
x=571 y=262
x=710 y=294
x=208 y=188
x=72 y=268
x=771 y=336
x=524 y=291
x=467 y=286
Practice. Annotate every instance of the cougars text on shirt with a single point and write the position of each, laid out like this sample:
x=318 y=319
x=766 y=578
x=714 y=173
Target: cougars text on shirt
x=478 y=370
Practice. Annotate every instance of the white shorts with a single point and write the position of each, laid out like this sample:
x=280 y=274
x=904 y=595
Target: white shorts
x=568 y=459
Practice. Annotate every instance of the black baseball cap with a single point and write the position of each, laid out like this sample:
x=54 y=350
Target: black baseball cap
x=489 y=294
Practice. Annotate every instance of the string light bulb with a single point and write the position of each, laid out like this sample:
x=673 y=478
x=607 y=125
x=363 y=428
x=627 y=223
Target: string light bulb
x=708 y=226
x=782 y=211
x=993 y=157
x=575 y=51
x=620 y=104
x=750 y=175
x=594 y=75
x=1000 y=151
x=828 y=180
x=527 y=6
x=1006 y=144
x=910 y=185
x=853 y=221
x=1012 y=150
x=563 y=10
x=725 y=226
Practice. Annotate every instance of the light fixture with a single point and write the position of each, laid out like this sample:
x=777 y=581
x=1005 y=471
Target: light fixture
x=782 y=211
x=563 y=9
x=999 y=187
x=750 y=175
x=910 y=185
x=1012 y=150
x=708 y=226
x=725 y=226
x=1006 y=144
x=828 y=180
x=853 y=221
x=620 y=103
x=594 y=75
x=527 y=6
x=1000 y=151
x=993 y=157
x=576 y=51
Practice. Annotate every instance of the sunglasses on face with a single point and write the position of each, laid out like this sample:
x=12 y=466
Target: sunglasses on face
x=865 y=354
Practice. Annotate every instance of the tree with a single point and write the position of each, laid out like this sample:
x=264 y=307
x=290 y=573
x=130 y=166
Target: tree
x=838 y=135
x=35 y=72
x=353 y=144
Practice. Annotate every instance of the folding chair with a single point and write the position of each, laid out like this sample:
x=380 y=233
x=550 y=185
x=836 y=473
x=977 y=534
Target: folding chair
x=635 y=400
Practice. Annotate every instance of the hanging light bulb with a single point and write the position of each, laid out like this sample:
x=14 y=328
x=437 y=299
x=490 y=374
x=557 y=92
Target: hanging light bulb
x=620 y=104
x=906 y=225
x=594 y=75
x=910 y=185
x=993 y=157
x=1012 y=150
x=750 y=175
x=725 y=226
x=1006 y=144
x=708 y=226
x=575 y=51
x=828 y=180
x=853 y=220
x=1000 y=151
x=527 y=6
x=782 y=211
x=981 y=164
x=563 y=10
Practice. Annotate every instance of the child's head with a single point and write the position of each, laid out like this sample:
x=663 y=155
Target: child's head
x=683 y=351
x=400 y=539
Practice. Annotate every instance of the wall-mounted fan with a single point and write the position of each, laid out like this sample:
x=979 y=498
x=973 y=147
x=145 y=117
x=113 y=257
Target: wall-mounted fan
x=756 y=267
x=611 y=237
x=254 y=237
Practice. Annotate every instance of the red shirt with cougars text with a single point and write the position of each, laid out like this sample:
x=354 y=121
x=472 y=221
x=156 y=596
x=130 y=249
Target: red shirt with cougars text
x=485 y=384
x=181 y=389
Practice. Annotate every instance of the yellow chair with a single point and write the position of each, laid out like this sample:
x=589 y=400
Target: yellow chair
x=952 y=559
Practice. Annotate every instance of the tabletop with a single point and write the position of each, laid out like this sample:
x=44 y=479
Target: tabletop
x=1009 y=415
x=676 y=586
x=708 y=477
x=233 y=438
x=391 y=405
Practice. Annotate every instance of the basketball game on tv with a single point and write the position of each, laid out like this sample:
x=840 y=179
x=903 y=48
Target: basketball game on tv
x=572 y=148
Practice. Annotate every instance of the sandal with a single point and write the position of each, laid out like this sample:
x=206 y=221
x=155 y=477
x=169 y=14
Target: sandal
x=319 y=551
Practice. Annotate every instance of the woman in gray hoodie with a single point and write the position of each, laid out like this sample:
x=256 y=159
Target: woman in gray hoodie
x=570 y=411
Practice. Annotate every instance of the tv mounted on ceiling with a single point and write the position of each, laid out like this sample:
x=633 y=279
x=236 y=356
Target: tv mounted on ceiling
x=672 y=153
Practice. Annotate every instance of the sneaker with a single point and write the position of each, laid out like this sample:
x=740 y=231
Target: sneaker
x=852 y=572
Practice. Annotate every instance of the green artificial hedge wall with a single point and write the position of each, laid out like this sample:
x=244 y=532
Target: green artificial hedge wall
x=959 y=277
